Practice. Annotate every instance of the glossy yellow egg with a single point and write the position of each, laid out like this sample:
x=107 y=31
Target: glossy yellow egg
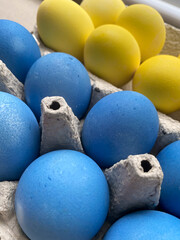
x=158 y=78
x=112 y=53
x=64 y=26
x=147 y=26
x=103 y=11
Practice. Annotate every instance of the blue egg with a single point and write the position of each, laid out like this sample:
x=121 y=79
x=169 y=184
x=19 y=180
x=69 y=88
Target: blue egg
x=58 y=74
x=18 y=49
x=121 y=124
x=62 y=195
x=169 y=159
x=19 y=137
x=145 y=225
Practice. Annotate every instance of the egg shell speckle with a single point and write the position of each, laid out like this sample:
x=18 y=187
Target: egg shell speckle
x=19 y=137
x=62 y=195
x=147 y=224
x=170 y=191
x=121 y=124
x=18 y=48
x=58 y=74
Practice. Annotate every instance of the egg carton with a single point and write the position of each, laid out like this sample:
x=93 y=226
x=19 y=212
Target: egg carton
x=134 y=183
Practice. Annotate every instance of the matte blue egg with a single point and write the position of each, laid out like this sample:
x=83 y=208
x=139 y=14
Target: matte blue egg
x=169 y=159
x=18 y=49
x=145 y=225
x=19 y=137
x=121 y=124
x=62 y=195
x=58 y=74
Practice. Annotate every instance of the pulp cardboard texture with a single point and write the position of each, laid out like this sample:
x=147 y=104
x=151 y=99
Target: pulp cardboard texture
x=134 y=183
x=140 y=174
x=9 y=83
x=60 y=127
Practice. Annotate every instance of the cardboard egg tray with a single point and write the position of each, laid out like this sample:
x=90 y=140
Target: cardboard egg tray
x=134 y=183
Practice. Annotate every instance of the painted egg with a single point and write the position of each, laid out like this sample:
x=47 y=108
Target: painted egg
x=169 y=159
x=64 y=26
x=147 y=26
x=112 y=53
x=158 y=78
x=103 y=11
x=62 y=195
x=58 y=74
x=19 y=137
x=18 y=49
x=147 y=224
x=120 y=124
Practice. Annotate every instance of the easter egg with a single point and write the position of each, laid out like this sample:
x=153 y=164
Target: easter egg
x=103 y=11
x=58 y=74
x=158 y=78
x=112 y=53
x=62 y=195
x=169 y=159
x=147 y=224
x=19 y=137
x=64 y=26
x=147 y=26
x=18 y=49
x=120 y=124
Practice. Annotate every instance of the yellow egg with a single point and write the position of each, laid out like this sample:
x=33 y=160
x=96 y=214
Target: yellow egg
x=103 y=11
x=112 y=53
x=64 y=26
x=158 y=78
x=147 y=26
